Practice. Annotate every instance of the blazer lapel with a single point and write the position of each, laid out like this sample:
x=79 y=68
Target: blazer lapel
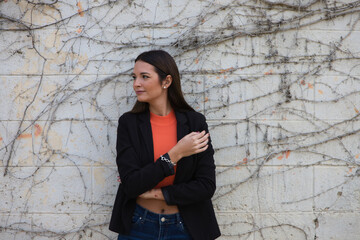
x=182 y=127
x=185 y=167
x=146 y=132
x=182 y=130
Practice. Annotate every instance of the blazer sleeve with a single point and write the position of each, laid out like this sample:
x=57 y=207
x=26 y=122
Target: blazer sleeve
x=135 y=177
x=203 y=184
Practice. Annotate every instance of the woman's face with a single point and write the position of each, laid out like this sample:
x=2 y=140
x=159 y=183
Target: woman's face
x=146 y=84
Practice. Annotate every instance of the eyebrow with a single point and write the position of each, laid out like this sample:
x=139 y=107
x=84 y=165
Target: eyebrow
x=141 y=73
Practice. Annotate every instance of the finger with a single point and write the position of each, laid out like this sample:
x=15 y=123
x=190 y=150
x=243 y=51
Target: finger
x=205 y=137
x=202 y=144
x=192 y=134
x=202 y=149
x=199 y=135
x=202 y=133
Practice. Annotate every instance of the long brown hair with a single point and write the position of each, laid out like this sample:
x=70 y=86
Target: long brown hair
x=164 y=65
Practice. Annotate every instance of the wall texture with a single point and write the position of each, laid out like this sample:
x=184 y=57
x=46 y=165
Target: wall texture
x=279 y=83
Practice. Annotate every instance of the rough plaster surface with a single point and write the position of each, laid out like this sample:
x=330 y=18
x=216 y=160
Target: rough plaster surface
x=279 y=83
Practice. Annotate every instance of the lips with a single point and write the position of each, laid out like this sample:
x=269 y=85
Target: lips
x=139 y=92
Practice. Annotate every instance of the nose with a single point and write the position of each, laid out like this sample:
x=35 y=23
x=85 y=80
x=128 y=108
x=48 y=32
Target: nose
x=136 y=83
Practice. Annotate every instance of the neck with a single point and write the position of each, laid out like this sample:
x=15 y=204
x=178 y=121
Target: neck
x=160 y=109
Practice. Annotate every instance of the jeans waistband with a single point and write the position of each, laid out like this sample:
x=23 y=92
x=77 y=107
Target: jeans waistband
x=162 y=219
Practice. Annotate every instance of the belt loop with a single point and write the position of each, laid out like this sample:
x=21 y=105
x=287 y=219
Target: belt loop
x=144 y=214
x=178 y=218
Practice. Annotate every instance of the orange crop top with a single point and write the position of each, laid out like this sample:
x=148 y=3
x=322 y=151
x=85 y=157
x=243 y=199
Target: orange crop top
x=164 y=132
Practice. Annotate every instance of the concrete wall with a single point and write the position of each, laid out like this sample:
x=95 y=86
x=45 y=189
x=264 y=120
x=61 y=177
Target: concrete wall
x=278 y=81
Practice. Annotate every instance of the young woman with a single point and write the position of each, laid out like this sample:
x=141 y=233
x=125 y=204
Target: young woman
x=165 y=160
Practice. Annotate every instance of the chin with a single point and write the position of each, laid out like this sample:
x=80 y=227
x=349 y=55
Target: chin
x=142 y=100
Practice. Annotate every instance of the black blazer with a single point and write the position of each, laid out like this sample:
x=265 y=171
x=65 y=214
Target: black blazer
x=194 y=183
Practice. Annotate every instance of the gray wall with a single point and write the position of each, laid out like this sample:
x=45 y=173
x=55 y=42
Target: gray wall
x=278 y=82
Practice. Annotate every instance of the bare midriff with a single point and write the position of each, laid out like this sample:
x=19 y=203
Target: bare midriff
x=157 y=206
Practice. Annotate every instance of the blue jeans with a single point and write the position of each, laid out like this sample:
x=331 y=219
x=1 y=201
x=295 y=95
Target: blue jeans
x=148 y=225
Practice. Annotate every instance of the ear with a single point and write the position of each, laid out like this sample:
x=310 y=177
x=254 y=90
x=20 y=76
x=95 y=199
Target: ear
x=167 y=82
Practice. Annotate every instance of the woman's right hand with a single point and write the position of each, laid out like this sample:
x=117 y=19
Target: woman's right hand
x=194 y=142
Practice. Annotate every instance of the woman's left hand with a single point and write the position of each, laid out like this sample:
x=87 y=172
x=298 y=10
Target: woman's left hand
x=153 y=194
